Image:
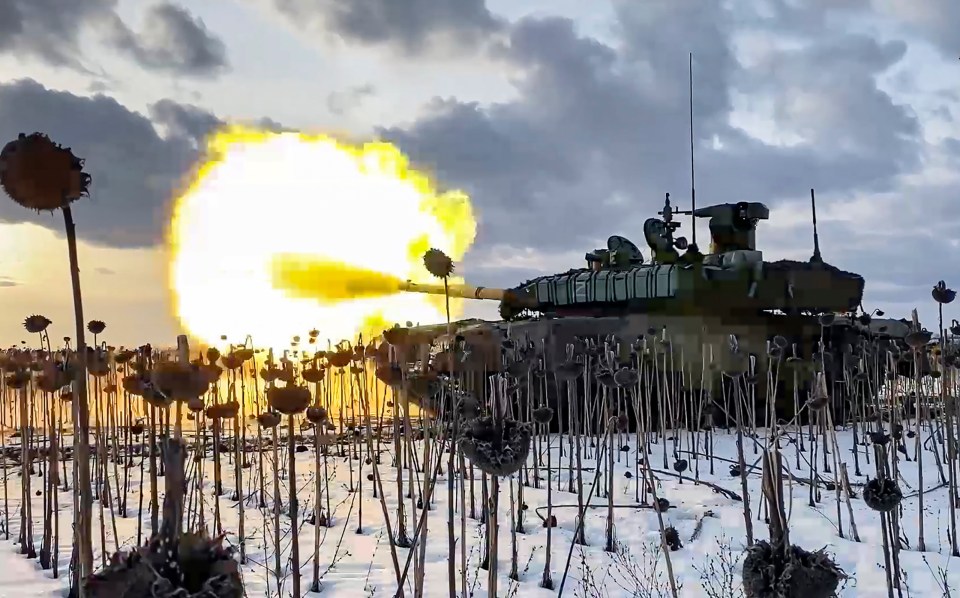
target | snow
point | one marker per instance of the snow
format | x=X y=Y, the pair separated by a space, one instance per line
x=355 y=554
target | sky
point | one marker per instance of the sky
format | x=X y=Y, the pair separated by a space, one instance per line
x=566 y=122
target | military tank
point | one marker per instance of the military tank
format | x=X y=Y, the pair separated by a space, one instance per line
x=705 y=319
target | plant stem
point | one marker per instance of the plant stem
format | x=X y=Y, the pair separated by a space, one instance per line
x=81 y=414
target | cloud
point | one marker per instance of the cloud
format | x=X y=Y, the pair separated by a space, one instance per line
x=184 y=120
x=598 y=134
x=50 y=29
x=6 y=282
x=129 y=206
x=194 y=123
x=104 y=271
x=933 y=20
x=135 y=171
x=411 y=26
x=172 y=41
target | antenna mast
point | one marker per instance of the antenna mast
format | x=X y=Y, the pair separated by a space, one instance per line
x=816 y=239
x=693 y=185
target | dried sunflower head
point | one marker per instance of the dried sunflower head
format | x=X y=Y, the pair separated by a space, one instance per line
x=289 y=400
x=213 y=354
x=317 y=414
x=340 y=358
x=98 y=363
x=917 y=339
x=313 y=375
x=438 y=263
x=231 y=361
x=497 y=448
x=395 y=336
x=180 y=381
x=942 y=294
x=133 y=385
x=882 y=494
x=36 y=324
x=124 y=356
x=40 y=174
x=226 y=410
x=270 y=373
x=390 y=374
x=18 y=379
x=543 y=415
x=96 y=326
x=268 y=419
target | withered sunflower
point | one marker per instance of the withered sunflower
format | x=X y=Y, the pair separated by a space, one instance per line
x=124 y=356
x=180 y=381
x=40 y=174
x=18 y=379
x=289 y=400
x=316 y=414
x=231 y=361
x=438 y=263
x=313 y=375
x=36 y=323
x=226 y=410
x=268 y=419
x=213 y=354
x=340 y=358
x=133 y=385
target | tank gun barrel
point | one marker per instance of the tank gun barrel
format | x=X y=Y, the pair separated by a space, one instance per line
x=466 y=291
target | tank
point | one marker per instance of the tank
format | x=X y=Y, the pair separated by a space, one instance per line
x=700 y=321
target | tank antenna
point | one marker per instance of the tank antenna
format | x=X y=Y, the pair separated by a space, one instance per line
x=816 y=238
x=693 y=186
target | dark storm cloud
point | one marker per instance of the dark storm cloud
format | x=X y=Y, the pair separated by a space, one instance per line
x=184 y=120
x=134 y=170
x=934 y=21
x=172 y=40
x=49 y=29
x=598 y=135
x=412 y=26
x=194 y=123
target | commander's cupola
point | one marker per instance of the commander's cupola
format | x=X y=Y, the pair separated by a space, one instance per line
x=733 y=227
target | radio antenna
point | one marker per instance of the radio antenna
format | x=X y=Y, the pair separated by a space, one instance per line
x=693 y=183
x=816 y=239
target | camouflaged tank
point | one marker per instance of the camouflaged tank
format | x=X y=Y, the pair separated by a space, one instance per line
x=698 y=317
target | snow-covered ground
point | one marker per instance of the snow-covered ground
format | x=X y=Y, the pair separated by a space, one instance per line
x=355 y=556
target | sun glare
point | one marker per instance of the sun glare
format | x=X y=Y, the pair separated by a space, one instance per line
x=263 y=194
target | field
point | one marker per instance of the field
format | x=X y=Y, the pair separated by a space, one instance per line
x=365 y=468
